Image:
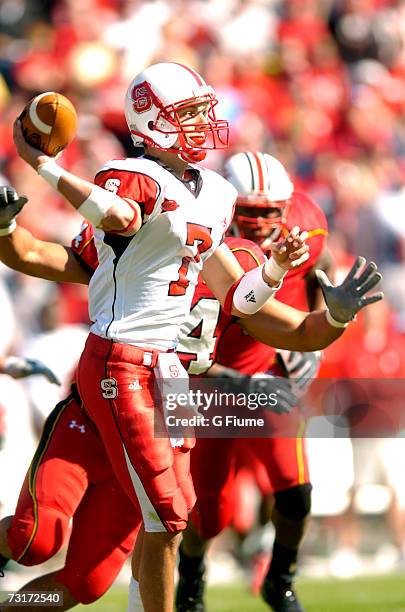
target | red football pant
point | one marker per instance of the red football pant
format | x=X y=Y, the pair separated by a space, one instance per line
x=71 y=476
x=119 y=393
x=213 y=472
x=278 y=464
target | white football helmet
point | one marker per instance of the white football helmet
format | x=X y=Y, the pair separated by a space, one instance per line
x=262 y=183
x=152 y=104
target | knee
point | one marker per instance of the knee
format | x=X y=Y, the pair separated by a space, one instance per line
x=32 y=544
x=83 y=589
x=294 y=503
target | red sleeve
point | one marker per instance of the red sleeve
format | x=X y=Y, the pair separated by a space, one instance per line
x=133 y=185
x=84 y=248
x=248 y=254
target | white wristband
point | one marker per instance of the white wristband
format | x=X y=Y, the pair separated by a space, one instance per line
x=95 y=207
x=274 y=270
x=333 y=321
x=252 y=292
x=51 y=172
x=5 y=231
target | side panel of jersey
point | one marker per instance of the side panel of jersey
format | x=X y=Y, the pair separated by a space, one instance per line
x=144 y=284
x=310 y=217
x=209 y=334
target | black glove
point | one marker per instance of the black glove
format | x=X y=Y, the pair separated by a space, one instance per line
x=283 y=397
x=345 y=300
x=10 y=205
x=300 y=368
x=232 y=381
x=21 y=367
x=279 y=389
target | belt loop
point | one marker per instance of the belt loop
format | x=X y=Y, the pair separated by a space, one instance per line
x=148 y=359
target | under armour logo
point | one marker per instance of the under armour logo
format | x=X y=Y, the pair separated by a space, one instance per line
x=135 y=386
x=75 y=425
x=78 y=239
x=250 y=297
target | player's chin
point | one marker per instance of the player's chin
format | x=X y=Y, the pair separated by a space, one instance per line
x=257 y=236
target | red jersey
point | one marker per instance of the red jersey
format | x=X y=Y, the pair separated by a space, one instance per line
x=311 y=218
x=84 y=248
x=252 y=356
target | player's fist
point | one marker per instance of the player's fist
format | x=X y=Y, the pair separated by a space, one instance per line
x=345 y=300
x=10 y=205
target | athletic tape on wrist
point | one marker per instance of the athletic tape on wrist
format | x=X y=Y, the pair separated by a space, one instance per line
x=274 y=270
x=51 y=172
x=333 y=321
x=5 y=231
x=252 y=292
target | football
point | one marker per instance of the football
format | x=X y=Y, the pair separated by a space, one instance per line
x=49 y=122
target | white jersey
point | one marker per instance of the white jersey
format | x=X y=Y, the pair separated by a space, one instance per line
x=142 y=289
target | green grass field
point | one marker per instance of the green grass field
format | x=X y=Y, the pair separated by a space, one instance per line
x=371 y=594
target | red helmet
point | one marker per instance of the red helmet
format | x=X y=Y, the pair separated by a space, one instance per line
x=265 y=188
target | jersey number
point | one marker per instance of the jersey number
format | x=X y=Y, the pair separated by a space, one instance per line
x=198 y=335
x=201 y=235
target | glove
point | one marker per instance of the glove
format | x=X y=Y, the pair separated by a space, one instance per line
x=300 y=368
x=282 y=387
x=20 y=367
x=345 y=300
x=233 y=381
x=10 y=205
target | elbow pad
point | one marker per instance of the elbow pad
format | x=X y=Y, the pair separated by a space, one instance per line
x=249 y=293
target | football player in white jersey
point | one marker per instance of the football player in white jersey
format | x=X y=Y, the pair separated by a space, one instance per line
x=275 y=324
x=159 y=223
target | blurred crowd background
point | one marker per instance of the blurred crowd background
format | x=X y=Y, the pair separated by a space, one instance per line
x=320 y=84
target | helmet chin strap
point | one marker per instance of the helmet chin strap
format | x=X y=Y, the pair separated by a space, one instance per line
x=193 y=155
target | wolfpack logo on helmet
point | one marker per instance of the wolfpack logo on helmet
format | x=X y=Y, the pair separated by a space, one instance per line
x=152 y=105
x=142 y=99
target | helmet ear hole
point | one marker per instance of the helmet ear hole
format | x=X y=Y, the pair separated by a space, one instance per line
x=151 y=125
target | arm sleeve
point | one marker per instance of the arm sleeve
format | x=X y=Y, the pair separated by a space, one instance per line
x=84 y=248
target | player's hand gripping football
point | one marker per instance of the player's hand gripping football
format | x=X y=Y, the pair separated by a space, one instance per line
x=10 y=205
x=34 y=157
x=21 y=367
x=292 y=251
x=345 y=300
